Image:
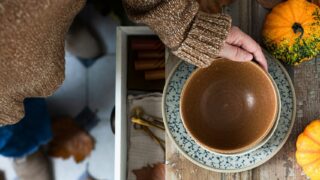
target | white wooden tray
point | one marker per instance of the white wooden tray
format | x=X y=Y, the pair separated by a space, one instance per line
x=121 y=97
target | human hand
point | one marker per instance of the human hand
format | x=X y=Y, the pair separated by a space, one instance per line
x=241 y=47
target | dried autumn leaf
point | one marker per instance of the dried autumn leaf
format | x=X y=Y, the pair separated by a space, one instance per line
x=155 y=172
x=70 y=140
x=269 y=4
x=2 y=175
x=209 y=6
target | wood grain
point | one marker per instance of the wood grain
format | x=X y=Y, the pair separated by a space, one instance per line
x=269 y=3
x=249 y=16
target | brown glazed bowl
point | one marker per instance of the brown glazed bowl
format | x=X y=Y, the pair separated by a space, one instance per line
x=229 y=107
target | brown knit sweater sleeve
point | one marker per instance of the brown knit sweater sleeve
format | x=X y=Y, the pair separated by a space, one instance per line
x=32 y=62
x=192 y=35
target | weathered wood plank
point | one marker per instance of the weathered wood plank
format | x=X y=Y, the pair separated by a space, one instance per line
x=180 y=168
x=249 y=16
x=247 y=175
x=307 y=86
x=306 y=82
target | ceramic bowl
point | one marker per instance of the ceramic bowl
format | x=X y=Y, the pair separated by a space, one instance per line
x=267 y=137
x=229 y=107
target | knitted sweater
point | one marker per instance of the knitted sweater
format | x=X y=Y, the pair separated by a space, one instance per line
x=192 y=35
x=32 y=36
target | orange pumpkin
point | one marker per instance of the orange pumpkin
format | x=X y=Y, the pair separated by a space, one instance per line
x=291 y=31
x=308 y=150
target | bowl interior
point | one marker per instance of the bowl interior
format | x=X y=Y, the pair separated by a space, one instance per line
x=230 y=106
x=267 y=137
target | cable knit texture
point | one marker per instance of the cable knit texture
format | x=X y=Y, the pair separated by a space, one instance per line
x=31 y=51
x=194 y=36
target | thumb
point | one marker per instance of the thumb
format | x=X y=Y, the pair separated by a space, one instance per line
x=235 y=53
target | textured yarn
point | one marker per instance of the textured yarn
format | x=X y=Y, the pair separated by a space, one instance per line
x=32 y=34
x=192 y=35
x=32 y=62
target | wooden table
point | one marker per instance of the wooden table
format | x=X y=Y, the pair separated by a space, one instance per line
x=249 y=16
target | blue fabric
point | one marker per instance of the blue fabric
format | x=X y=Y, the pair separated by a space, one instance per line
x=30 y=133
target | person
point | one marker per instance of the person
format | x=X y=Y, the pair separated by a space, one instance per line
x=32 y=35
x=32 y=42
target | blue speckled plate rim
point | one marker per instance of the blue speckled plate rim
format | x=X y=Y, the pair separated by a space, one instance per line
x=164 y=115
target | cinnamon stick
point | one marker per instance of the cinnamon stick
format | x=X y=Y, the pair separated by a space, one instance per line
x=158 y=74
x=148 y=64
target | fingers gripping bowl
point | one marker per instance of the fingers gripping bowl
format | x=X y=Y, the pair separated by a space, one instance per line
x=229 y=107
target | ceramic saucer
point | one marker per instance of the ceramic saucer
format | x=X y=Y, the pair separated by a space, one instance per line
x=218 y=162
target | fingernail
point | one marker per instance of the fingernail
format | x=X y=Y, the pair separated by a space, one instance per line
x=248 y=57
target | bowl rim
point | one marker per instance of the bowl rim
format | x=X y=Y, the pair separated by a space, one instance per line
x=258 y=141
x=207 y=167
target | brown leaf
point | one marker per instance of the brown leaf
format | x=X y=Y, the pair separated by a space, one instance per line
x=269 y=4
x=155 y=172
x=70 y=140
x=2 y=175
x=209 y=6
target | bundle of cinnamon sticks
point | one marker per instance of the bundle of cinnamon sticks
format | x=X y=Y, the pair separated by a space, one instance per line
x=150 y=58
